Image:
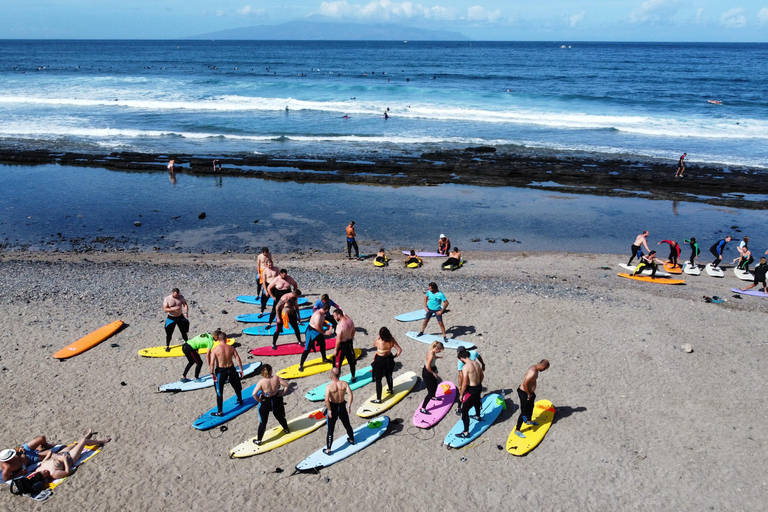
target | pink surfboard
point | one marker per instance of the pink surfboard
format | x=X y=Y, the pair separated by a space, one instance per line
x=438 y=408
x=288 y=349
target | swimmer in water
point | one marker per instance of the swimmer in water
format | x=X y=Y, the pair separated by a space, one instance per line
x=346 y=116
x=386 y=116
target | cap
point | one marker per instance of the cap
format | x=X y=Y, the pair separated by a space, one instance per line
x=442 y=235
x=7 y=455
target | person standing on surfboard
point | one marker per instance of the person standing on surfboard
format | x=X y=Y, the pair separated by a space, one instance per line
x=527 y=395
x=338 y=409
x=220 y=361
x=261 y=264
x=175 y=305
x=674 y=251
x=695 y=251
x=270 y=397
x=435 y=304
x=345 y=337
x=470 y=389
x=443 y=245
x=429 y=374
x=760 y=272
x=269 y=274
x=475 y=356
x=717 y=251
x=639 y=241
x=314 y=335
x=351 y=241
x=279 y=286
x=287 y=311
x=384 y=361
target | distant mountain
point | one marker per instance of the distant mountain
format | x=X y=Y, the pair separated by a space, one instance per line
x=332 y=31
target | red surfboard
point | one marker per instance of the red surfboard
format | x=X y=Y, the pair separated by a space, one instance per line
x=288 y=349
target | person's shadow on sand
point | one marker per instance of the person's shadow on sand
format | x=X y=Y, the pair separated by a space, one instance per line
x=362 y=330
x=563 y=411
x=458 y=331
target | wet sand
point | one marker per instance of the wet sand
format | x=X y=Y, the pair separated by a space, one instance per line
x=640 y=423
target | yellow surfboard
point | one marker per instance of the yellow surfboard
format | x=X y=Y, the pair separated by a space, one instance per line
x=89 y=452
x=402 y=385
x=175 y=350
x=543 y=414
x=275 y=437
x=312 y=367
x=649 y=279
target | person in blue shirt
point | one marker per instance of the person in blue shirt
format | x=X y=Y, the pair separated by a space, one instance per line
x=717 y=251
x=435 y=305
x=326 y=302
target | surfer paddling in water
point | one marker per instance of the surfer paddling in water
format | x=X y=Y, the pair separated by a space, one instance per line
x=175 y=305
x=268 y=393
x=345 y=337
x=639 y=241
x=470 y=388
x=527 y=395
x=220 y=361
x=338 y=409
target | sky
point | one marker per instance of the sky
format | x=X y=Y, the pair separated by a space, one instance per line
x=497 y=20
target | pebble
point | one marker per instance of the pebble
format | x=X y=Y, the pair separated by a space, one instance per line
x=224 y=312
x=137 y=224
x=687 y=348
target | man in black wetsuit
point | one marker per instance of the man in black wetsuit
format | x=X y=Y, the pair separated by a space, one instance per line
x=527 y=395
x=223 y=369
x=338 y=408
x=760 y=272
x=470 y=389
x=717 y=251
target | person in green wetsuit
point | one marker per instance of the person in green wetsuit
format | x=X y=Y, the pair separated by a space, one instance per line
x=694 y=249
x=191 y=348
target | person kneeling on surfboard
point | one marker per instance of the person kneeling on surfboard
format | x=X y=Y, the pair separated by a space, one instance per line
x=314 y=335
x=435 y=304
x=429 y=374
x=526 y=394
x=470 y=388
x=287 y=312
x=454 y=261
x=190 y=349
x=338 y=409
x=649 y=260
x=413 y=261
x=345 y=337
x=220 y=361
x=384 y=361
x=760 y=272
x=270 y=397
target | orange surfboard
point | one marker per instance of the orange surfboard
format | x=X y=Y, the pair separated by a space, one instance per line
x=89 y=341
x=673 y=269
x=649 y=279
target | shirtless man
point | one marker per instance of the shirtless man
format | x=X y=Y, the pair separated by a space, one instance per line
x=384 y=361
x=14 y=462
x=61 y=464
x=681 y=165
x=345 y=337
x=475 y=356
x=314 y=336
x=269 y=274
x=443 y=245
x=223 y=369
x=261 y=264
x=287 y=305
x=454 y=259
x=269 y=394
x=326 y=301
x=338 y=409
x=470 y=388
x=640 y=240
x=351 y=241
x=412 y=259
x=175 y=305
x=278 y=287
x=526 y=394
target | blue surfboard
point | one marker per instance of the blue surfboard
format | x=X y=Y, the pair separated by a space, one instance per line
x=493 y=404
x=363 y=376
x=261 y=330
x=256 y=318
x=229 y=407
x=256 y=299
x=419 y=314
x=365 y=435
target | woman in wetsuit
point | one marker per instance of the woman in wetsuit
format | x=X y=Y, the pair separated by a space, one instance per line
x=429 y=373
x=269 y=394
x=384 y=361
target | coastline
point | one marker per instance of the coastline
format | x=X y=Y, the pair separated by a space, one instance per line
x=640 y=423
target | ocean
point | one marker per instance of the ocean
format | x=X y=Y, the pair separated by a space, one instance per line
x=645 y=101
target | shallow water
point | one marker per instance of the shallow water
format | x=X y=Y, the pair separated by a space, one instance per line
x=56 y=207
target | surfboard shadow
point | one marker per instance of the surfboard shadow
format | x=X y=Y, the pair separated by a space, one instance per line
x=563 y=411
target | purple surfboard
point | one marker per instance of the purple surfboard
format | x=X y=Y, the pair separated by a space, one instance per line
x=750 y=292
x=438 y=407
x=426 y=254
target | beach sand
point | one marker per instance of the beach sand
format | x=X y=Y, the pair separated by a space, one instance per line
x=640 y=423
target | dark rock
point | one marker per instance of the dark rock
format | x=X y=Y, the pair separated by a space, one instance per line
x=224 y=312
x=481 y=149
x=475 y=239
x=256 y=221
x=491 y=241
x=734 y=227
x=137 y=224
x=201 y=216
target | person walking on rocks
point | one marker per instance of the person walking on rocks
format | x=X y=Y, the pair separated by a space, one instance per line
x=641 y=240
x=681 y=165
x=351 y=241
x=527 y=395
x=175 y=305
x=435 y=304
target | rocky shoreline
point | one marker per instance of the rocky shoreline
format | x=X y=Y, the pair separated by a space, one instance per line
x=482 y=166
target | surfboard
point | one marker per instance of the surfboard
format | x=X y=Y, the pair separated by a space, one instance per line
x=256 y=318
x=492 y=406
x=256 y=299
x=645 y=272
x=365 y=435
x=205 y=381
x=714 y=272
x=413 y=316
x=691 y=270
x=438 y=407
x=543 y=414
x=230 y=409
x=648 y=279
x=401 y=385
x=363 y=377
x=429 y=338
x=753 y=292
x=743 y=274
x=312 y=367
x=427 y=254
x=275 y=437
x=672 y=269
x=288 y=349
x=449 y=267
x=176 y=350
x=261 y=330
x=89 y=341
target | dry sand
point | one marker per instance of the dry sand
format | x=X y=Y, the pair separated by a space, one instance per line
x=640 y=424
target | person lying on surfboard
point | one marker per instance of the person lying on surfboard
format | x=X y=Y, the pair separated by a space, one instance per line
x=454 y=260
x=413 y=261
x=470 y=389
x=381 y=258
x=649 y=260
x=527 y=395
x=338 y=408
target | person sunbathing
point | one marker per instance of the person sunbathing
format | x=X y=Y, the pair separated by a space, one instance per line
x=63 y=463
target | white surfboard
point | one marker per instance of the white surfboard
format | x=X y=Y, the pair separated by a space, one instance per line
x=691 y=270
x=714 y=272
x=646 y=272
x=429 y=338
x=743 y=274
x=206 y=381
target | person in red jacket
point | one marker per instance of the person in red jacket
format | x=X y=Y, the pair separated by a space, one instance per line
x=674 y=251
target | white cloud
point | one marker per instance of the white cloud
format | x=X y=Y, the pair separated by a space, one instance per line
x=654 y=11
x=249 y=11
x=734 y=18
x=575 y=19
x=699 y=18
x=478 y=13
x=388 y=10
x=762 y=16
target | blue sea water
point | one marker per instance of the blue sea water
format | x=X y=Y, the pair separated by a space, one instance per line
x=634 y=100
